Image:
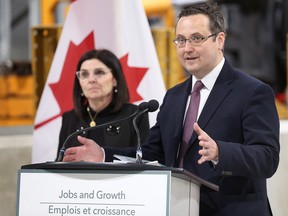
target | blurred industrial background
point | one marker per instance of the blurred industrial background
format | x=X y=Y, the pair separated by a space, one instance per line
x=30 y=30
x=257 y=43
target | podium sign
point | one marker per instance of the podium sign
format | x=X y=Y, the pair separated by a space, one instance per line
x=66 y=192
x=82 y=188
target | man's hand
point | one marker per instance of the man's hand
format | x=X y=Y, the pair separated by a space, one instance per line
x=209 y=149
x=90 y=151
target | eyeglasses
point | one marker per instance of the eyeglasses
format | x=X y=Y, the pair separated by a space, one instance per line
x=195 y=40
x=97 y=73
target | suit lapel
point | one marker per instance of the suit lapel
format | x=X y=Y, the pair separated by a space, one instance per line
x=180 y=102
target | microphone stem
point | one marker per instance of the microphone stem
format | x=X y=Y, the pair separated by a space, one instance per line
x=61 y=155
x=139 y=155
x=139 y=149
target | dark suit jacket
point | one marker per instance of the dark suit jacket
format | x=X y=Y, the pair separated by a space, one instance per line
x=120 y=134
x=240 y=115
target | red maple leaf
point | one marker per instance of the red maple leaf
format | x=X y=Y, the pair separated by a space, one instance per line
x=63 y=89
x=133 y=76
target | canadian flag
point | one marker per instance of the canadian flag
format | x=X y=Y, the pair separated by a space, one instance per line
x=120 y=26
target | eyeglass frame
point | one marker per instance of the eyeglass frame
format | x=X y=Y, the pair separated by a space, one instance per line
x=203 y=39
x=104 y=70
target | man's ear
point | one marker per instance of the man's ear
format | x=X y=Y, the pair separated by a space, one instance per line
x=221 y=40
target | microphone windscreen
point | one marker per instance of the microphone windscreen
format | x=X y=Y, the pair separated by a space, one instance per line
x=153 y=105
x=143 y=106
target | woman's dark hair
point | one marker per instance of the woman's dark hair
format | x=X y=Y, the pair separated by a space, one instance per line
x=209 y=9
x=111 y=61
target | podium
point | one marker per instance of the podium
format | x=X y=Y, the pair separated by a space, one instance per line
x=82 y=188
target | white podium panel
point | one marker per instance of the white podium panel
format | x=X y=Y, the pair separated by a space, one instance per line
x=69 y=189
x=77 y=193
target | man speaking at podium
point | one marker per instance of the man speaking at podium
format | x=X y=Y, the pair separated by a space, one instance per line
x=235 y=142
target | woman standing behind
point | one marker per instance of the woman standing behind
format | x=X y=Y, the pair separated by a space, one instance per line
x=101 y=95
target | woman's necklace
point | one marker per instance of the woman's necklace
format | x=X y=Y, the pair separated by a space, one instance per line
x=92 y=123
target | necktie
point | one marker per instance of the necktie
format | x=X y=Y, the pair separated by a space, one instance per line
x=191 y=117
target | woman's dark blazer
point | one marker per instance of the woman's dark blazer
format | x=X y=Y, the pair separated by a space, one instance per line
x=120 y=134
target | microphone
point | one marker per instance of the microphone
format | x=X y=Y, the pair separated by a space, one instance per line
x=141 y=107
x=152 y=106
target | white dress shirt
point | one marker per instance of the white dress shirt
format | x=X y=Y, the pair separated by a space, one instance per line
x=208 y=82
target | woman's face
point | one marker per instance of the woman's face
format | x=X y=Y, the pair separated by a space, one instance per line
x=96 y=80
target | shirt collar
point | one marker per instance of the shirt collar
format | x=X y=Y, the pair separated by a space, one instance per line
x=210 y=79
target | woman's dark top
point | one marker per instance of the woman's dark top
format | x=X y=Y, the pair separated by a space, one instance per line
x=120 y=134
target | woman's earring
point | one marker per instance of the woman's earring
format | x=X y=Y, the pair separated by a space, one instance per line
x=115 y=90
x=82 y=94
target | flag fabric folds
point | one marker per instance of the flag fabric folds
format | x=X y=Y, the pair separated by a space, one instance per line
x=120 y=26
